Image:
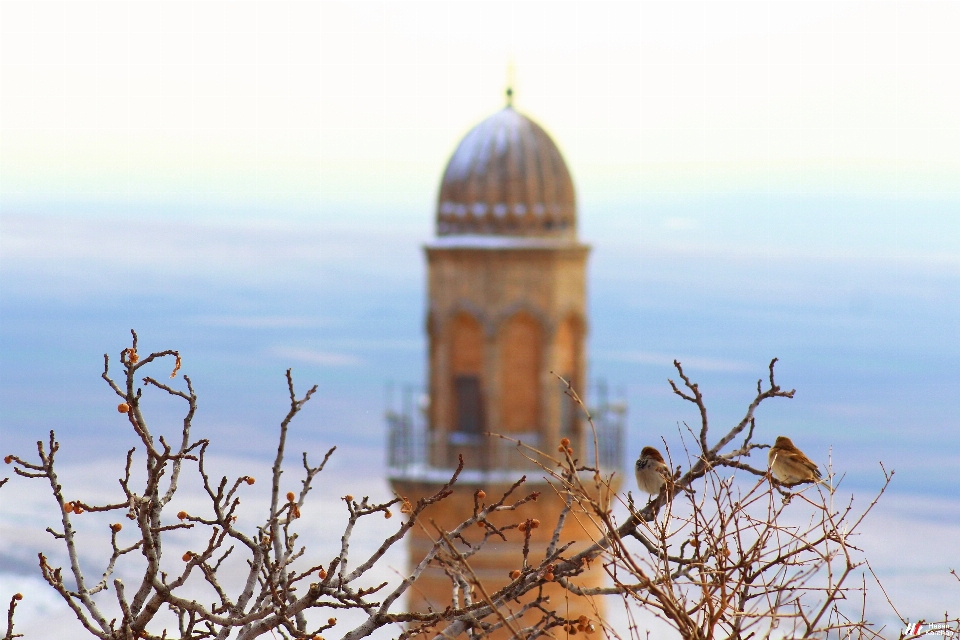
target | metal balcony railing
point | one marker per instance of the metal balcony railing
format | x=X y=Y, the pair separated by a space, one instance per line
x=415 y=452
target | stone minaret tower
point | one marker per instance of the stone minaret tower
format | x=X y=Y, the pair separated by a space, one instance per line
x=506 y=315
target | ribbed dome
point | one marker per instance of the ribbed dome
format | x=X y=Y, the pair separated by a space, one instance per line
x=507 y=178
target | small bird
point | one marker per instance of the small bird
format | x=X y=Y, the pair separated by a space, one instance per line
x=652 y=472
x=789 y=465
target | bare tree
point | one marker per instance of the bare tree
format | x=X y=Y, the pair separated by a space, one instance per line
x=720 y=555
x=277 y=594
x=723 y=552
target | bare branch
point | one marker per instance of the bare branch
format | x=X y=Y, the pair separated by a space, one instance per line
x=724 y=551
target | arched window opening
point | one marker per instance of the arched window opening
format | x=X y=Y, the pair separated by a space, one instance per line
x=466 y=365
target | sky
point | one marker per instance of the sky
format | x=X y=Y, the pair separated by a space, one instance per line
x=252 y=183
x=284 y=103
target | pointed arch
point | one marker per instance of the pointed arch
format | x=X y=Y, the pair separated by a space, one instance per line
x=523 y=307
x=520 y=346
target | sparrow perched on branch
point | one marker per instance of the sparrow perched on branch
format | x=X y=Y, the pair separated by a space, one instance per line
x=652 y=472
x=789 y=465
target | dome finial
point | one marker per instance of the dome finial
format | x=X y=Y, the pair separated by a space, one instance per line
x=510 y=82
x=509 y=96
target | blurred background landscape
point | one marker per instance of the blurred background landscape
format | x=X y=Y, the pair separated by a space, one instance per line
x=252 y=183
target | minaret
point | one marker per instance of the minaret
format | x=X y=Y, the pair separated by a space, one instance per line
x=506 y=316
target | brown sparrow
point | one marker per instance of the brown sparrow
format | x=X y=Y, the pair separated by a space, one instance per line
x=789 y=465
x=652 y=472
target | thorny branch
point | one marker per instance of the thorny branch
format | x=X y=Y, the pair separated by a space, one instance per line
x=736 y=558
x=275 y=595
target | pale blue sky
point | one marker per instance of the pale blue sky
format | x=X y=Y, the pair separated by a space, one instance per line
x=205 y=156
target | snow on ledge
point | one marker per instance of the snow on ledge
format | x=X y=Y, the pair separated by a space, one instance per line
x=477 y=241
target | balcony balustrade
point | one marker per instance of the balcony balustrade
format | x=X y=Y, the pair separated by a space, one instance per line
x=416 y=452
